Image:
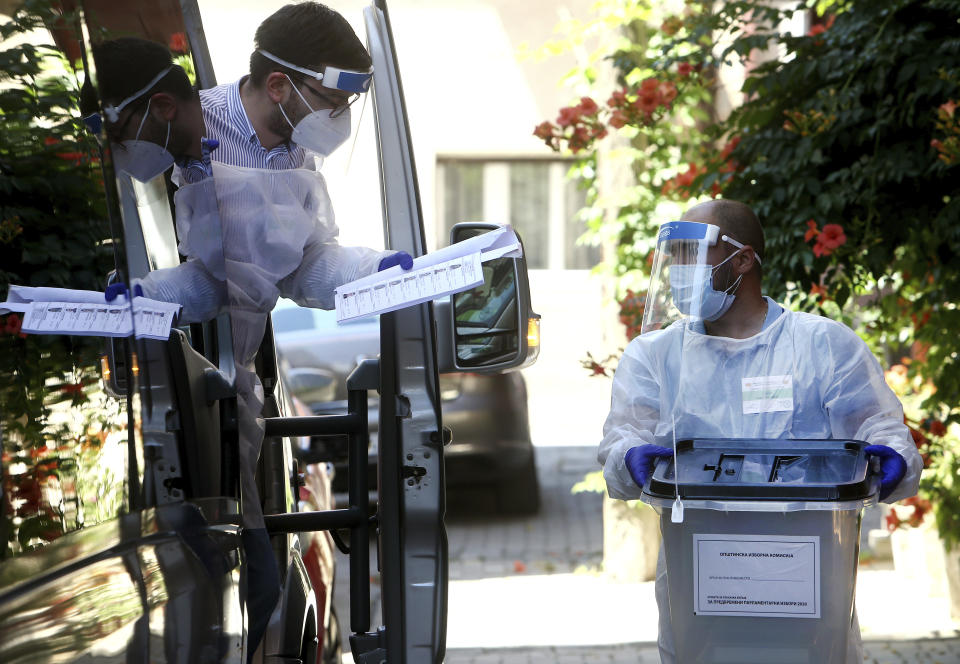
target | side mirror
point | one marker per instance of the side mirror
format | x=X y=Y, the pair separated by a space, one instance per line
x=490 y=328
x=312 y=385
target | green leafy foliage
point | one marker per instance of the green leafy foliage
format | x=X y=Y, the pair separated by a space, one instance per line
x=656 y=105
x=53 y=232
x=847 y=147
x=844 y=133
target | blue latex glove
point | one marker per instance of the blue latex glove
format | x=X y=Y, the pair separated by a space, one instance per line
x=640 y=461
x=401 y=258
x=892 y=467
x=120 y=288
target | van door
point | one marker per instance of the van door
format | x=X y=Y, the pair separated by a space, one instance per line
x=413 y=540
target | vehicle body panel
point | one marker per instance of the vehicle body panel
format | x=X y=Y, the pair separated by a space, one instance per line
x=127 y=588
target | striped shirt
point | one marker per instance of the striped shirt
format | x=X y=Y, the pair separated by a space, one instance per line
x=227 y=121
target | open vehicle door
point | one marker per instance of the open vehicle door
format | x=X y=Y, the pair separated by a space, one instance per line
x=412 y=537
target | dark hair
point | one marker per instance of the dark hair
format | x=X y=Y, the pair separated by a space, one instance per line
x=308 y=35
x=127 y=64
x=737 y=220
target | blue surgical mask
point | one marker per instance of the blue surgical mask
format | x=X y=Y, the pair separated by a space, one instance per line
x=694 y=294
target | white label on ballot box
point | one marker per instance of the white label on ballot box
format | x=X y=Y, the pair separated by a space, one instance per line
x=756 y=575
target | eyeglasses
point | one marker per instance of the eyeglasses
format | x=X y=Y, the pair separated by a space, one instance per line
x=337 y=105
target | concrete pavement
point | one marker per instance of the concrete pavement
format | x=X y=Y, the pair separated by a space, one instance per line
x=530 y=590
x=924 y=651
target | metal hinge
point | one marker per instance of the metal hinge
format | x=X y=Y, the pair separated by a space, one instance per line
x=413 y=474
x=444 y=436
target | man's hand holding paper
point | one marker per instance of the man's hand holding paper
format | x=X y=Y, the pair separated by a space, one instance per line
x=453 y=269
x=88 y=313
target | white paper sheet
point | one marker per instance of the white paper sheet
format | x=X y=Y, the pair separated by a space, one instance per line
x=452 y=269
x=756 y=575
x=85 y=313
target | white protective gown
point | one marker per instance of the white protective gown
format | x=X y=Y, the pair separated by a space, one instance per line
x=252 y=235
x=278 y=237
x=685 y=376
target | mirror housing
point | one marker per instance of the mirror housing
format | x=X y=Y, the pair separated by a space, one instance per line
x=491 y=328
x=311 y=385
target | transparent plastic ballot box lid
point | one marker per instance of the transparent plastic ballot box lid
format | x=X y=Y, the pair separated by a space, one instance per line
x=775 y=470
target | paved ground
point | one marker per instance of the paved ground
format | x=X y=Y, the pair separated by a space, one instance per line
x=932 y=651
x=530 y=590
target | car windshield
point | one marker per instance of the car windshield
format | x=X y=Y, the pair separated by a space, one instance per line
x=288 y=317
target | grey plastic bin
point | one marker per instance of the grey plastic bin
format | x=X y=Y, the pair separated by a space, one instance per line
x=763 y=567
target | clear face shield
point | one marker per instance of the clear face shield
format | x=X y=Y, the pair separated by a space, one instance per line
x=682 y=277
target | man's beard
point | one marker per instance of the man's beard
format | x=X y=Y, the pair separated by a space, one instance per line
x=278 y=124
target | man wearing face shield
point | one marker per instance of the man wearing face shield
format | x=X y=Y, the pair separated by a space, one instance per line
x=706 y=328
x=307 y=69
x=253 y=219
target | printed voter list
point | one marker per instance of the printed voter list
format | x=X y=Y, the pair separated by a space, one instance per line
x=446 y=271
x=85 y=313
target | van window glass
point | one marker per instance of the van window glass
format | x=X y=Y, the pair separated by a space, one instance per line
x=63 y=438
x=64 y=449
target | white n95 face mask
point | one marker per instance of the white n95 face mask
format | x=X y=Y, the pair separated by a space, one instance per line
x=317 y=131
x=143 y=160
x=694 y=294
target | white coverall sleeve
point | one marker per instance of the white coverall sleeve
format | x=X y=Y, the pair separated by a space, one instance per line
x=861 y=406
x=325 y=266
x=632 y=420
x=190 y=285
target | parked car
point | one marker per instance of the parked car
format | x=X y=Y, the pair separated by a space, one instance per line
x=487 y=413
x=315 y=493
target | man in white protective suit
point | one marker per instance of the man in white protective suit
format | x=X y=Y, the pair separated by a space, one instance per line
x=685 y=379
x=253 y=216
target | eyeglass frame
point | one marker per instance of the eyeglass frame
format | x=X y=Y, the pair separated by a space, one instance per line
x=336 y=110
x=114 y=132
